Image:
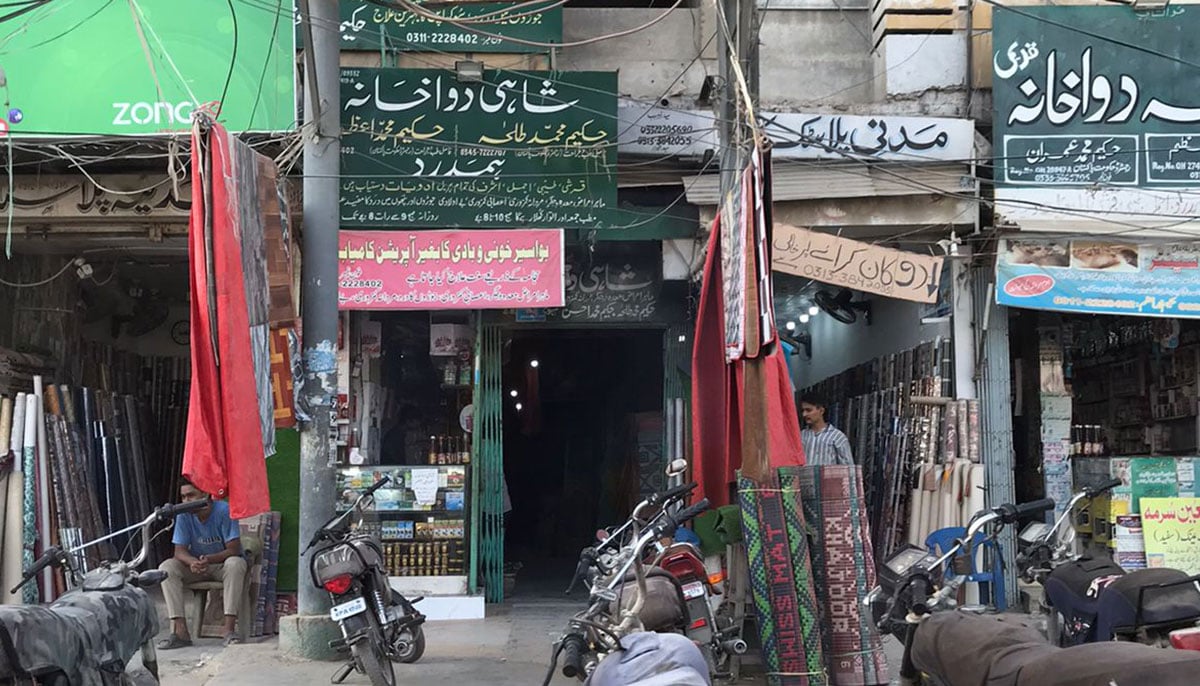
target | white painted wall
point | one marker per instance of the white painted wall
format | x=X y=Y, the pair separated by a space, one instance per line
x=896 y=326
x=917 y=63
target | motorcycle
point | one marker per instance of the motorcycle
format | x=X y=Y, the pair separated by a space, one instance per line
x=708 y=623
x=379 y=625
x=1090 y=599
x=914 y=584
x=608 y=640
x=87 y=636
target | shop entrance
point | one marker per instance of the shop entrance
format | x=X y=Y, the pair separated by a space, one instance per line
x=577 y=405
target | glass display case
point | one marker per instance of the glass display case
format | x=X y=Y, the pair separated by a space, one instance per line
x=421 y=516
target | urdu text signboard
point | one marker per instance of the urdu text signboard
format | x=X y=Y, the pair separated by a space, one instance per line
x=369 y=26
x=422 y=149
x=79 y=68
x=1171 y=528
x=449 y=270
x=1100 y=277
x=1073 y=109
x=853 y=264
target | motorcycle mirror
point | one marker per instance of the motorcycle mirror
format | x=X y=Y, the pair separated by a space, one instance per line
x=677 y=467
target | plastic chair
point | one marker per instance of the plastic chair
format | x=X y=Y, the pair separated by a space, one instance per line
x=991 y=583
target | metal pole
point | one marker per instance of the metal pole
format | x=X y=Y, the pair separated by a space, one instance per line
x=318 y=285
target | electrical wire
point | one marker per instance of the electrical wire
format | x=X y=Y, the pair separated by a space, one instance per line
x=263 y=74
x=417 y=9
x=233 y=58
x=43 y=282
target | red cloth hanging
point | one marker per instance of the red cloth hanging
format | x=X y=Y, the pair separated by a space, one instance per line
x=223 y=449
x=718 y=391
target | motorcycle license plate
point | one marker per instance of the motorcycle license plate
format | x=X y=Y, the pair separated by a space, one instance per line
x=340 y=612
x=693 y=590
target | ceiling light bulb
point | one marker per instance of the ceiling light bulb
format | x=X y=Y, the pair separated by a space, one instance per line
x=813 y=310
x=791 y=326
x=533 y=363
x=513 y=392
x=519 y=406
x=804 y=319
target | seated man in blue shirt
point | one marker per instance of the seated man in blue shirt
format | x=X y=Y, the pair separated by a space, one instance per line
x=208 y=547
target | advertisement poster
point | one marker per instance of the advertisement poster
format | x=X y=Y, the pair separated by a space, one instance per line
x=1131 y=547
x=1171 y=527
x=1153 y=477
x=1100 y=277
x=448 y=270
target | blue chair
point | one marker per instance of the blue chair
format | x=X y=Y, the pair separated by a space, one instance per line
x=991 y=583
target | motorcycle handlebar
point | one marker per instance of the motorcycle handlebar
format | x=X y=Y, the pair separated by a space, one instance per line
x=671 y=494
x=573 y=649
x=920 y=595
x=1102 y=488
x=378 y=485
x=169 y=511
x=1011 y=513
x=671 y=522
x=51 y=556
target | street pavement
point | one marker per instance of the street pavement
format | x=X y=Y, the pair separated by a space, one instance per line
x=509 y=648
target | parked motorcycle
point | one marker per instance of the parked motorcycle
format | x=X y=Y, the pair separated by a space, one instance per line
x=706 y=621
x=632 y=600
x=379 y=625
x=87 y=636
x=913 y=585
x=1091 y=599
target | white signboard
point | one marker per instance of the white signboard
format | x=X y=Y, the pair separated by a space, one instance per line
x=838 y=136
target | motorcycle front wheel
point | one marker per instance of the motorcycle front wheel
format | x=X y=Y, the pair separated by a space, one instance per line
x=370 y=654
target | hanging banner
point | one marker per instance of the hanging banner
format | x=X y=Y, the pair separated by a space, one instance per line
x=1100 y=277
x=450 y=270
x=422 y=149
x=369 y=26
x=1171 y=527
x=853 y=264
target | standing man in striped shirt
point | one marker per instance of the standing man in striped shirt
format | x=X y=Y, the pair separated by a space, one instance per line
x=823 y=444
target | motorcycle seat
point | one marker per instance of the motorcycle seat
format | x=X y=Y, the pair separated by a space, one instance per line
x=1118 y=611
x=81 y=633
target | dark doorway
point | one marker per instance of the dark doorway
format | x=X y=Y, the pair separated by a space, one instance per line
x=577 y=402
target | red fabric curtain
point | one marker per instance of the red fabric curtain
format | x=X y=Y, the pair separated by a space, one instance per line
x=717 y=396
x=223 y=450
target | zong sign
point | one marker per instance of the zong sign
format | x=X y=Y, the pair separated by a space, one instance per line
x=422 y=149
x=1074 y=109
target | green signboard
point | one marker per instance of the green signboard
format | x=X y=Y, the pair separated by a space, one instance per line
x=81 y=67
x=422 y=149
x=368 y=26
x=1073 y=109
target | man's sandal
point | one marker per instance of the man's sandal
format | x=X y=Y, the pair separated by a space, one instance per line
x=232 y=639
x=172 y=642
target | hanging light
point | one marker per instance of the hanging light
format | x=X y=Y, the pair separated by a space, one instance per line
x=791 y=326
x=804 y=319
x=813 y=310
x=682 y=338
x=519 y=407
x=513 y=392
x=533 y=363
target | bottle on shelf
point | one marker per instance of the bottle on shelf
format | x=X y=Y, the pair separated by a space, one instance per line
x=464 y=450
x=464 y=374
x=433 y=450
x=449 y=374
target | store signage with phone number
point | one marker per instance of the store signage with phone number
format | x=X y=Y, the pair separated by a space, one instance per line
x=1100 y=277
x=448 y=270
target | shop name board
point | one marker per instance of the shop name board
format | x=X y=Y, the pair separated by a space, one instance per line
x=614 y=290
x=842 y=136
x=448 y=270
x=123 y=197
x=90 y=83
x=1100 y=277
x=648 y=129
x=1171 y=529
x=369 y=26
x=1074 y=109
x=853 y=264
x=422 y=149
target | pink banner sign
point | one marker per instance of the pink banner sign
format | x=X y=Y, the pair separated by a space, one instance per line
x=450 y=270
